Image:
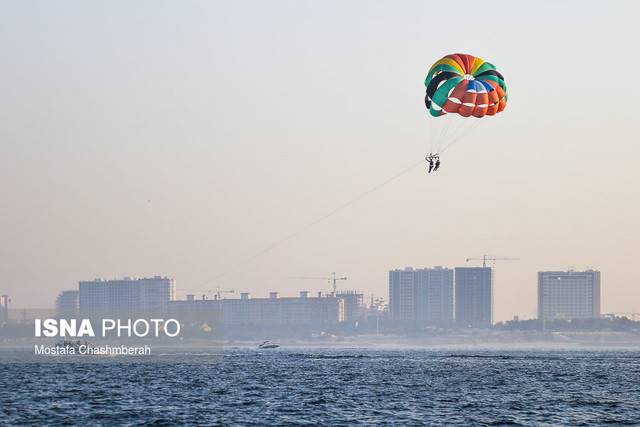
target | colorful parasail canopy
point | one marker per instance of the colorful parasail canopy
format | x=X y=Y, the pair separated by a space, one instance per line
x=466 y=85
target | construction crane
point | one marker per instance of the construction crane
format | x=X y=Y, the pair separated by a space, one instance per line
x=220 y=291
x=331 y=279
x=493 y=258
x=217 y=294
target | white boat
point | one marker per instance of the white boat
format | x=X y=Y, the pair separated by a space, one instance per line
x=268 y=344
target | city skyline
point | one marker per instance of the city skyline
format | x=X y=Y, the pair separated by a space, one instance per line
x=429 y=298
x=186 y=290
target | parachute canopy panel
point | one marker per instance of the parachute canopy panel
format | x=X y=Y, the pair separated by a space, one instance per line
x=466 y=85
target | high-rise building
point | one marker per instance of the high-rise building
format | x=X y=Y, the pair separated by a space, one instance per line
x=434 y=295
x=126 y=295
x=474 y=297
x=421 y=296
x=568 y=294
x=402 y=302
x=67 y=304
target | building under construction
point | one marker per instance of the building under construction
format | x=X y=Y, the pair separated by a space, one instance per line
x=354 y=309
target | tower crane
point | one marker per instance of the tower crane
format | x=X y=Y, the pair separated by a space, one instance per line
x=331 y=279
x=493 y=258
x=220 y=291
x=217 y=293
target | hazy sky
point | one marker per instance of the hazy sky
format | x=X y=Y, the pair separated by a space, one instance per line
x=181 y=138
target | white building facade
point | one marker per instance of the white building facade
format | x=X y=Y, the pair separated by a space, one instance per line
x=126 y=295
x=421 y=296
x=568 y=294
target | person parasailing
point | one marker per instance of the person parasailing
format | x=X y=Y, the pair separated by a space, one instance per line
x=429 y=158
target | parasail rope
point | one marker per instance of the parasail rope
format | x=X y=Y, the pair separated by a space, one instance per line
x=315 y=222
